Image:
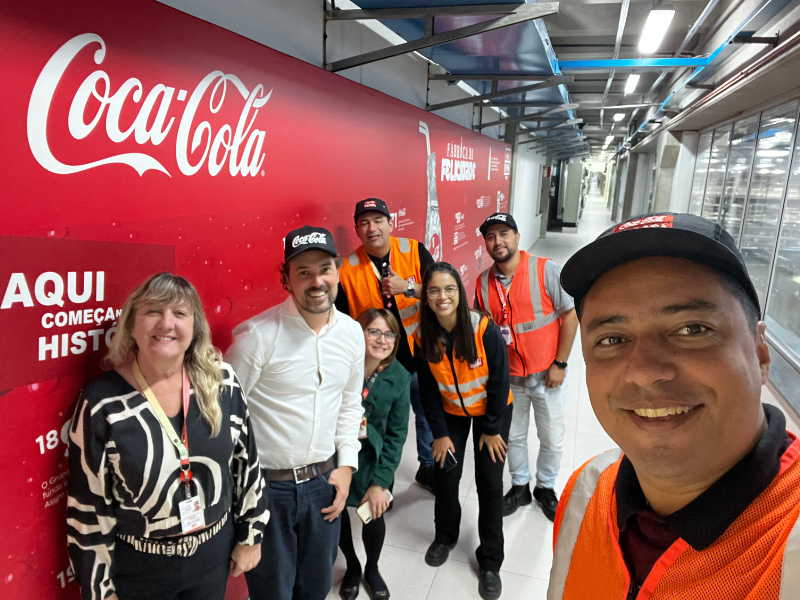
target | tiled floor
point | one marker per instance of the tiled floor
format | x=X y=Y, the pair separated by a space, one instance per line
x=528 y=534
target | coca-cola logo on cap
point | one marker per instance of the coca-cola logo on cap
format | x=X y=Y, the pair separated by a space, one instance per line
x=238 y=145
x=311 y=238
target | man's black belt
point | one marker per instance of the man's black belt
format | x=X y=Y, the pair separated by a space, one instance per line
x=300 y=474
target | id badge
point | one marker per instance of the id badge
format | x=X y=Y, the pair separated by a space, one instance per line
x=362 y=430
x=505 y=331
x=192 y=517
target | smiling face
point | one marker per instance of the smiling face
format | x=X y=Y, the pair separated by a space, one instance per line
x=673 y=368
x=313 y=280
x=501 y=242
x=442 y=292
x=163 y=331
x=374 y=230
x=379 y=348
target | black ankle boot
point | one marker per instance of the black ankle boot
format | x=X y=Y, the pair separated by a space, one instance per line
x=518 y=495
x=349 y=589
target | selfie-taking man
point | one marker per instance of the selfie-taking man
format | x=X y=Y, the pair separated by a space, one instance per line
x=538 y=322
x=301 y=365
x=702 y=499
x=386 y=272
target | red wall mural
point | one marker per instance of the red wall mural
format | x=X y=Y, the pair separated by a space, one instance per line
x=138 y=139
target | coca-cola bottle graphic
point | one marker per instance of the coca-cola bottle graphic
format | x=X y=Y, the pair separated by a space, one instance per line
x=433 y=224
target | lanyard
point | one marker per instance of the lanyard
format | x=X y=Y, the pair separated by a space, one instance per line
x=387 y=297
x=502 y=293
x=181 y=443
x=368 y=384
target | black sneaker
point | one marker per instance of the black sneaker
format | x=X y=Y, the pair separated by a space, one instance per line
x=518 y=495
x=489 y=585
x=547 y=499
x=437 y=553
x=424 y=477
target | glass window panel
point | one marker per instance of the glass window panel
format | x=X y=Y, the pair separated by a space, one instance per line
x=783 y=307
x=716 y=172
x=700 y=173
x=770 y=173
x=737 y=177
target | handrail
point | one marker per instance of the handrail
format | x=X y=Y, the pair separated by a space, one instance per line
x=783 y=350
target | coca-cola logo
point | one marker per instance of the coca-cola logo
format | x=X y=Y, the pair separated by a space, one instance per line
x=369 y=204
x=311 y=238
x=239 y=146
x=647 y=222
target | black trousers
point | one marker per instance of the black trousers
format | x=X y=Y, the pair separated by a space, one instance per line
x=202 y=576
x=489 y=483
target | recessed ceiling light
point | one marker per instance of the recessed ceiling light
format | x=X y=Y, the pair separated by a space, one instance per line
x=633 y=81
x=619 y=116
x=654 y=30
x=609 y=139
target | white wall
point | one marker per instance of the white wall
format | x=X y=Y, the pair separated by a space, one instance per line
x=525 y=191
x=640 y=185
x=294 y=27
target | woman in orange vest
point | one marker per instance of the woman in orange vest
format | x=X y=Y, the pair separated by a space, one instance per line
x=462 y=363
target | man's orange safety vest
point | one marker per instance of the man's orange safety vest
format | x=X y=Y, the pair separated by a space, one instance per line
x=362 y=285
x=757 y=558
x=463 y=385
x=528 y=311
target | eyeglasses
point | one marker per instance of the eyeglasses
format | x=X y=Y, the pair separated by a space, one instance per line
x=375 y=334
x=450 y=291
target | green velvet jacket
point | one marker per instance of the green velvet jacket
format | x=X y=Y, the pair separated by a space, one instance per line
x=380 y=453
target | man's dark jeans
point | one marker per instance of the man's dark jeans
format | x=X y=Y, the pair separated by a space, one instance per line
x=299 y=546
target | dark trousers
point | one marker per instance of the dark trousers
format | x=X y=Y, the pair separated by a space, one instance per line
x=202 y=576
x=299 y=545
x=424 y=434
x=489 y=483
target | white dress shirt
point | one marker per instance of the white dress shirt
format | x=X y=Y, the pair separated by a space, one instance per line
x=303 y=388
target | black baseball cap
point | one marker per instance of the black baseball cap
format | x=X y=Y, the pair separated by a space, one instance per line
x=371 y=205
x=306 y=238
x=499 y=218
x=677 y=235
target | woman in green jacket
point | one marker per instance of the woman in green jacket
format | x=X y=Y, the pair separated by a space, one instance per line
x=383 y=432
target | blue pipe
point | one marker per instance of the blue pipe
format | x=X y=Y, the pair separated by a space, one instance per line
x=633 y=63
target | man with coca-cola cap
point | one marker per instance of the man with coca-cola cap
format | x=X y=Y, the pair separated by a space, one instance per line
x=301 y=364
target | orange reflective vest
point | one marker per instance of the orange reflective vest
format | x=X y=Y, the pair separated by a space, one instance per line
x=757 y=558
x=534 y=324
x=463 y=385
x=363 y=288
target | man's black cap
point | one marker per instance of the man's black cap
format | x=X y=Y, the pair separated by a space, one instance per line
x=306 y=238
x=498 y=219
x=676 y=235
x=371 y=205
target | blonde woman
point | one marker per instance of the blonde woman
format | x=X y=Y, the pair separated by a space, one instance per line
x=166 y=496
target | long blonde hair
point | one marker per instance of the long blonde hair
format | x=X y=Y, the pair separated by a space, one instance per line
x=201 y=360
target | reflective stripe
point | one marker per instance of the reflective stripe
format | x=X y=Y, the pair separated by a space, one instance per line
x=409 y=312
x=411 y=328
x=464 y=387
x=536 y=292
x=790 y=575
x=353 y=259
x=484 y=298
x=578 y=502
x=468 y=401
x=405 y=245
x=475 y=318
x=537 y=324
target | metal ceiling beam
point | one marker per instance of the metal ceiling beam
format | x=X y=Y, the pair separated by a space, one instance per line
x=552 y=131
x=421 y=12
x=490 y=76
x=520 y=14
x=533 y=117
x=623 y=18
x=553 y=81
x=523 y=104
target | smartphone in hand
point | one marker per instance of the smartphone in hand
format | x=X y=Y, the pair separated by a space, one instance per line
x=364 y=511
x=450 y=461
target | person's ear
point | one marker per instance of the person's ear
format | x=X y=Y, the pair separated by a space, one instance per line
x=762 y=351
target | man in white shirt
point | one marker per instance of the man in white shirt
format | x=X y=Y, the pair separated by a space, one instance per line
x=301 y=365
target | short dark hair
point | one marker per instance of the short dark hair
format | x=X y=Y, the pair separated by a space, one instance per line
x=752 y=313
x=369 y=315
x=430 y=331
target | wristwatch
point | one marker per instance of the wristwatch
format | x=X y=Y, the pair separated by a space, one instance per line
x=409 y=293
x=560 y=365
